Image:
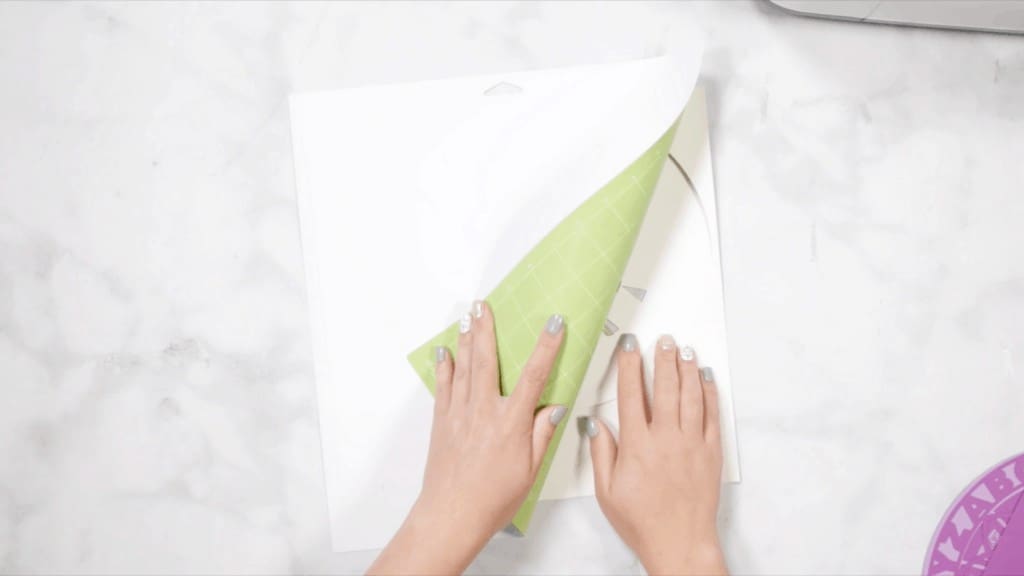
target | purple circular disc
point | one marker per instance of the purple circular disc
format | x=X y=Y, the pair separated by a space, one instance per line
x=969 y=536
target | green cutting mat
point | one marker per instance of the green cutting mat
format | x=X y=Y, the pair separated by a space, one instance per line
x=574 y=271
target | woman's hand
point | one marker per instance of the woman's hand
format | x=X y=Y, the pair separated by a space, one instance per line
x=659 y=486
x=485 y=450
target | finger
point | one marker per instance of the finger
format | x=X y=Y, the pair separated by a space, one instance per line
x=545 y=422
x=538 y=367
x=443 y=379
x=712 y=425
x=691 y=408
x=665 y=411
x=603 y=452
x=632 y=400
x=485 y=353
x=463 y=361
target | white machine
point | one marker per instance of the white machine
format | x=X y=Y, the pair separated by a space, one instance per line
x=990 y=15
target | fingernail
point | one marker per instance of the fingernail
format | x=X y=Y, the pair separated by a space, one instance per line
x=440 y=354
x=627 y=342
x=465 y=323
x=592 y=428
x=707 y=374
x=554 y=325
x=556 y=415
x=478 y=308
x=687 y=353
x=666 y=343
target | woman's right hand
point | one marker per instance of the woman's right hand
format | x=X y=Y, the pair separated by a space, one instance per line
x=659 y=485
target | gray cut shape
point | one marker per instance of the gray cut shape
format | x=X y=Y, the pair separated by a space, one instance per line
x=609 y=327
x=512 y=531
x=503 y=89
x=638 y=293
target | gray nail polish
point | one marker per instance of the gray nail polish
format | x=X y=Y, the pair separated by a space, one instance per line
x=556 y=415
x=478 y=309
x=687 y=353
x=465 y=323
x=628 y=342
x=440 y=354
x=666 y=343
x=592 y=429
x=707 y=374
x=554 y=325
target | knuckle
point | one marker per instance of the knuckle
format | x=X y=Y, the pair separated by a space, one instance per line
x=483 y=362
x=535 y=374
x=692 y=410
x=629 y=372
x=666 y=381
x=535 y=377
x=692 y=440
x=443 y=370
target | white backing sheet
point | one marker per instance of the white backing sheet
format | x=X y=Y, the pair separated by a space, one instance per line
x=414 y=199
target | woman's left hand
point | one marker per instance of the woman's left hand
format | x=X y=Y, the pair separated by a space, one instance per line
x=485 y=450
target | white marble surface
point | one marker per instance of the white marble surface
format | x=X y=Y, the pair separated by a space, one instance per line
x=157 y=409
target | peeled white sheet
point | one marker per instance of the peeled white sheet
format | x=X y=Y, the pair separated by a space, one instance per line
x=413 y=200
x=676 y=263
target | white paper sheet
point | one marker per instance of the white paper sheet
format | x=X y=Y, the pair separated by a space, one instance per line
x=415 y=199
x=677 y=265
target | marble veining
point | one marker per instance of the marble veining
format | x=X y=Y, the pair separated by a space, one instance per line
x=157 y=407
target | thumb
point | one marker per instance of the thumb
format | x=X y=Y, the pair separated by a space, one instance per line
x=603 y=451
x=545 y=422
